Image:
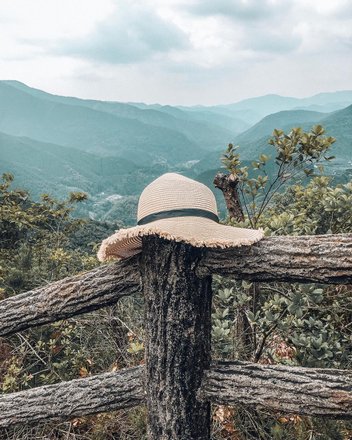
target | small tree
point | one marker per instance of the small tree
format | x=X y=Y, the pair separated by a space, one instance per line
x=296 y=153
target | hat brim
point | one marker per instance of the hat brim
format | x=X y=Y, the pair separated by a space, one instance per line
x=197 y=231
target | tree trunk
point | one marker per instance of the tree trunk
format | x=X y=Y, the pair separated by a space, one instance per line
x=178 y=330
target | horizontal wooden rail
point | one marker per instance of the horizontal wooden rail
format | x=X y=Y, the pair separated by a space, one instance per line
x=100 y=287
x=283 y=389
x=288 y=390
x=321 y=259
x=80 y=397
x=304 y=259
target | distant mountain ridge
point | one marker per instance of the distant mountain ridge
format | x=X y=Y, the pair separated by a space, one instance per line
x=337 y=124
x=247 y=111
x=252 y=110
x=23 y=114
x=190 y=128
x=111 y=150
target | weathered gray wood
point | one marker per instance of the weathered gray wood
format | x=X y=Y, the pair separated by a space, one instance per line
x=305 y=259
x=71 y=296
x=178 y=329
x=296 y=390
x=91 y=395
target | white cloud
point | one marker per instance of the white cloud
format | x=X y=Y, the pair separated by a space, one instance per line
x=240 y=10
x=133 y=32
x=177 y=51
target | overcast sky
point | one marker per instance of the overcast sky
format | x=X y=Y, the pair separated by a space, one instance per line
x=177 y=51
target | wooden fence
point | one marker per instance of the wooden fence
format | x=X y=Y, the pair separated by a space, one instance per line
x=178 y=381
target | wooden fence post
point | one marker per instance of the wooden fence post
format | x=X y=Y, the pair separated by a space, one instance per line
x=177 y=340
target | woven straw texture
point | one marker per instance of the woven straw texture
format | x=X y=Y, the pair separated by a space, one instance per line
x=173 y=191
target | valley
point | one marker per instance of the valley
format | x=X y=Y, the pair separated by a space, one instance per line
x=111 y=150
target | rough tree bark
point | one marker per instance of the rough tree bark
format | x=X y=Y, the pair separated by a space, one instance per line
x=178 y=330
x=304 y=259
x=71 y=296
x=228 y=183
x=295 y=390
x=80 y=397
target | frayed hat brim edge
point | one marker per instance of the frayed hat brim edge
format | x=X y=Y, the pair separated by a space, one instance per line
x=123 y=236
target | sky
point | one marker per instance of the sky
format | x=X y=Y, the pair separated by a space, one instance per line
x=177 y=52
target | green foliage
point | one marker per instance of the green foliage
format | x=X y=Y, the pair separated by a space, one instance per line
x=222 y=338
x=40 y=243
x=34 y=239
x=296 y=153
x=295 y=324
x=316 y=208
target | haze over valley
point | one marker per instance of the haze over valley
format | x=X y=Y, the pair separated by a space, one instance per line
x=111 y=150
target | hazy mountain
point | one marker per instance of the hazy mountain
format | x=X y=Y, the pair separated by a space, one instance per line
x=257 y=108
x=252 y=110
x=23 y=114
x=255 y=140
x=203 y=131
x=198 y=113
x=342 y=97
x=337 y=124
x=112 y=150
x=208 y=128
x=283 y=120
x=49 y=168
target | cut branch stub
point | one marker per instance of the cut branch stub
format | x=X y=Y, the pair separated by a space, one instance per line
x=178 y=330
x=228 y=184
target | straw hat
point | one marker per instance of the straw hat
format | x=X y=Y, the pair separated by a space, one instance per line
x=176 y=208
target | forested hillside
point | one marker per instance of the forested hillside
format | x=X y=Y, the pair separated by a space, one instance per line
x=111 y=150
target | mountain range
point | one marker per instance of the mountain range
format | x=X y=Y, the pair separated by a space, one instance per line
x=111 y=150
